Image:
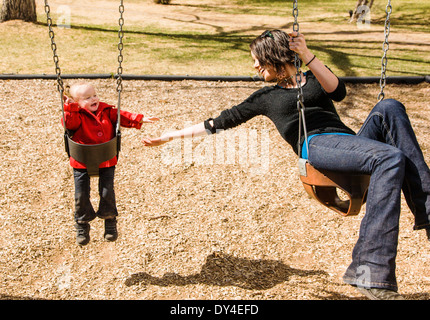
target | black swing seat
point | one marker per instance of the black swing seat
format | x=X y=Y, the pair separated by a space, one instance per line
x=93 y=155
x=322 y=185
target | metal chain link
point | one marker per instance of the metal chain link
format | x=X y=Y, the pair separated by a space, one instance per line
x=295 y=15
x=60 y=85
x=120 y=69
x=385 y=47
x=297 y=63
x=120 y=46
x=300 y=100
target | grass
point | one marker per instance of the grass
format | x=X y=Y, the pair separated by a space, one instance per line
x=191 y=37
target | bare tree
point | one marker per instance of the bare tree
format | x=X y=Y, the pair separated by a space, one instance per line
x=361 y=8
x=18 y=9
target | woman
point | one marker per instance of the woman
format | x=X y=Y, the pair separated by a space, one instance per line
x=385 y=147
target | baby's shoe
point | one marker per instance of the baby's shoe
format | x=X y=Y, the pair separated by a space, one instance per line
x=111 y=233
x=82 y=233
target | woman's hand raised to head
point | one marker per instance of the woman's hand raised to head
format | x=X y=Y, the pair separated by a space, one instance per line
x=297 y=43
x=326 y=78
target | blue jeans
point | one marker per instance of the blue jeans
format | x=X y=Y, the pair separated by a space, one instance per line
x=386 y=148
x=84 y=211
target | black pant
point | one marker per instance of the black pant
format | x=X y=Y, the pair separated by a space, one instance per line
x=84 y=211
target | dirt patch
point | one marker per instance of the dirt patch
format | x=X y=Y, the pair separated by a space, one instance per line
x=181 y=15
x=200 y=227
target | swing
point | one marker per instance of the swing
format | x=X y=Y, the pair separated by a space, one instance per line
x=323 y=185
x=91 y=155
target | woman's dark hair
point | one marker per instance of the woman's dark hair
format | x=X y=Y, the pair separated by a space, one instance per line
x=271 y=48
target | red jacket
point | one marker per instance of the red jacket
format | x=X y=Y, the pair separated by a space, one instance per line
x=98 y=127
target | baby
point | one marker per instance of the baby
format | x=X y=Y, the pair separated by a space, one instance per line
x=93 y=122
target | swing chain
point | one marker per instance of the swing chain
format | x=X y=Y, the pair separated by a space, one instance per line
x=60 y=85
x=120 y=47
x=300 y=99
x=385 y=46
x=295 y=15
x=297 y=63
x=119 y=70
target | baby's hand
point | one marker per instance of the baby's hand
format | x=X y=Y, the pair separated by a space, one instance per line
x=149 y=119
x=67 y=100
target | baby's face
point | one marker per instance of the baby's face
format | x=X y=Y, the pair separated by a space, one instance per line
x=86 y=97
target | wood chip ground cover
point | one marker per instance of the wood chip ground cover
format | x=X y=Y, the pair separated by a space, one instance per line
x=193 y=225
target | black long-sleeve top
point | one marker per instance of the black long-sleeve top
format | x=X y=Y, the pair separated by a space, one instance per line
x=280 y=105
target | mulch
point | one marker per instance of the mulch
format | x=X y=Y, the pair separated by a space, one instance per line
x=197 y=220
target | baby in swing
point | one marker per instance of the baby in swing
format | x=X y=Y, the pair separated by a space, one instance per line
x=93 y=122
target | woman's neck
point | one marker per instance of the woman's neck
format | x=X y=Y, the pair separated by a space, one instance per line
x=289 y=81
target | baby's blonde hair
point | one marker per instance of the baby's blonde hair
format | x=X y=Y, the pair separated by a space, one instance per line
x=70 y=89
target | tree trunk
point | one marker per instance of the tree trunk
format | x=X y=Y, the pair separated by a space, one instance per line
x=18 y=9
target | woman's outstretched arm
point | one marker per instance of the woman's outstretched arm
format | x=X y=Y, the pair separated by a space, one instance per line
x=193 y=131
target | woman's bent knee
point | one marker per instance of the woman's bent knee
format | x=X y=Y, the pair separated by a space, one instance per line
x=390 y=105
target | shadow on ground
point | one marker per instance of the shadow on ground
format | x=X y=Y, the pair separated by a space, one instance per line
x=226 y=270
